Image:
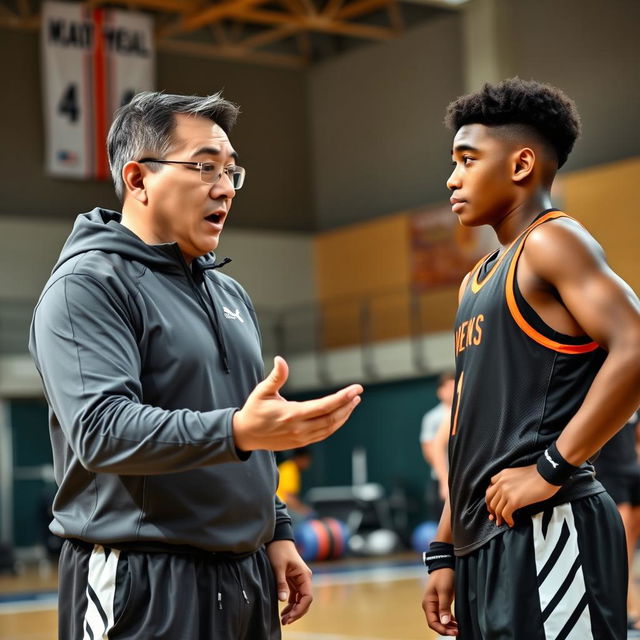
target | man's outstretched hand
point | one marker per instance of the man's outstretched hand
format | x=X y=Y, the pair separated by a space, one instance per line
x=268 y=421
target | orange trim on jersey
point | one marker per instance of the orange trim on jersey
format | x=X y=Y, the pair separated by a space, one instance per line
x=473 y=273
x=513 y=305
x=454 y=427
x=322 y=536
x=475 y=285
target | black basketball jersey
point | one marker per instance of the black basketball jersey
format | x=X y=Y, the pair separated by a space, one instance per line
x=518 y=383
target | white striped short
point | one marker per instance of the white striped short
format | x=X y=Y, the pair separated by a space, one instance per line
x=562 y=575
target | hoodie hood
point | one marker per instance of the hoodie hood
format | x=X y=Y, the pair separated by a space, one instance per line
x=100 y=230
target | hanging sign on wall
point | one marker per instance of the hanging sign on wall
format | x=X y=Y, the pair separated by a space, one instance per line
x=93 y=61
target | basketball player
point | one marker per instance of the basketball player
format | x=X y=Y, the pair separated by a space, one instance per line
x=547 y=343
x=161 y=424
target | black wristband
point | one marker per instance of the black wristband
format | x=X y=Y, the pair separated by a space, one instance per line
x=439 y=556
x=554 y=468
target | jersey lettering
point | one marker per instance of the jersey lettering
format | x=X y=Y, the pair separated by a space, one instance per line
x=469 y=333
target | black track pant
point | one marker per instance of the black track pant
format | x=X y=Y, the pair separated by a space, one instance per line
x=561 y=576
x=111 y=594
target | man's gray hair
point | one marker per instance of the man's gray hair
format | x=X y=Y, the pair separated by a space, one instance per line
x=144 y=126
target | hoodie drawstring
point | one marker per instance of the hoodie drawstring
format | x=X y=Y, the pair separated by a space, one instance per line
x=219 y=592
x=221 y=344
x=237 y=574
x=214 y=321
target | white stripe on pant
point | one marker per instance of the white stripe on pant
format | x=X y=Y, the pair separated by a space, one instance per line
x=101 y=588
x=561 y=587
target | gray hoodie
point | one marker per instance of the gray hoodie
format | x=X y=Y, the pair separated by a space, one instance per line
x=144 y=360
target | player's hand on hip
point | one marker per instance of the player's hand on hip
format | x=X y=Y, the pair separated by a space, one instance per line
x=268 y=421
x=512 y=489
x=437 y=600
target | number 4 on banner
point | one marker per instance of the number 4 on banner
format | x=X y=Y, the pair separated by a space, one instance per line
x=90 y=68
x=68 y=105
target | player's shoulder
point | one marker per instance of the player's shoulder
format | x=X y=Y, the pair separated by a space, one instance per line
x=561 y=243
x=561 y=232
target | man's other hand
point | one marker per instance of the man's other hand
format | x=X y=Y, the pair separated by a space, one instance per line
x=293 y=579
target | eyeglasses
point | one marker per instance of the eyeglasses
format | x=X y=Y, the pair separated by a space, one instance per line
x=210 y=172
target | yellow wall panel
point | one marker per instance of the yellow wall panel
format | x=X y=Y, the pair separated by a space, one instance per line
x=364 y=271
x=363 y=274
x=367 y=258
x=605 y=200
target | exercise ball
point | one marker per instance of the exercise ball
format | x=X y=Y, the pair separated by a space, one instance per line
x=422 y=535
x=321 y=539
x=381 y=542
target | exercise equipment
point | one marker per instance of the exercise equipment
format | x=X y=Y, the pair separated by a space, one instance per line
x=321 y=539
x=422 y=535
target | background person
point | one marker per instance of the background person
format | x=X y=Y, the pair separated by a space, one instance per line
x=434 y=437
x=290 y=484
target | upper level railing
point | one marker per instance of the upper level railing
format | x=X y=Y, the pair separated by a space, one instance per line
x=306 y=328
x=15 y=318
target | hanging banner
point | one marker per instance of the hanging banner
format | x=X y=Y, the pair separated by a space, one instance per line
x=93 y=61
x=442 y=250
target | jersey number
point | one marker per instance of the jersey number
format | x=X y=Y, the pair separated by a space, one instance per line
x=454 y=427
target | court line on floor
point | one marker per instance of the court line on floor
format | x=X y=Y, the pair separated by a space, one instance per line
x=374 y=574
x=25 y=602
x=26 y=606
x=311 y=635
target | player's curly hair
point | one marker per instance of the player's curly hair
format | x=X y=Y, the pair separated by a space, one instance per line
x=549 y=111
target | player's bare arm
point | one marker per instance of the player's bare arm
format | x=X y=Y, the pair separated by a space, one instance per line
x=439 y=592
x=581 y=295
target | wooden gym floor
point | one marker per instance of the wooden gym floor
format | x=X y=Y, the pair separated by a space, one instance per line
x=354 y=600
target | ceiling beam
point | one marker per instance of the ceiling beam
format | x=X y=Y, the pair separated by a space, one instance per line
x=320 y=23
x=294 y=6
x=269 y=35
x=214 y=13
x=453 y=5
x=173 y=6
x=361 y=7
x=332 y=7
x=232 y=52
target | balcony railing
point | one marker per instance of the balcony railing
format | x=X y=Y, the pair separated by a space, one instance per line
x=307 y=328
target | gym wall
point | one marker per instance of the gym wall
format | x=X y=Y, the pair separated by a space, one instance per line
x=605 y=200
x=270 y=137
x=377 y=140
